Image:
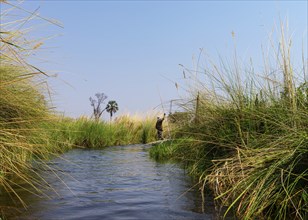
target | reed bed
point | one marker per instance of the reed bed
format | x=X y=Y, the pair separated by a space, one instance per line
x=23 y=105
x=87 y=133
x=246 y=137
x=22 y=110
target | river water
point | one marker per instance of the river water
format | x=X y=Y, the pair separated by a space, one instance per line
x=114 y=183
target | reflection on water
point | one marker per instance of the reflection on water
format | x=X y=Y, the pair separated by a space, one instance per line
x=113 y=183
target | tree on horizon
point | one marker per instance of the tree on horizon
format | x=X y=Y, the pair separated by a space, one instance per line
x=112 y=107
x=96 y=104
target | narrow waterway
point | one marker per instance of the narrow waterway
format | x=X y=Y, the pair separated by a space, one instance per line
x=114 y=183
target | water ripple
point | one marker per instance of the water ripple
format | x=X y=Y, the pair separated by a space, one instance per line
x=116 y=183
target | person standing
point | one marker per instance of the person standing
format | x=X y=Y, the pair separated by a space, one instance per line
x=159 y=127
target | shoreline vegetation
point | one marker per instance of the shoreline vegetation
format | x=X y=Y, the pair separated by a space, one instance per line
x=244 y=138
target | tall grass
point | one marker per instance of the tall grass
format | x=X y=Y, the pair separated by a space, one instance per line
x=246 y=137
x=22 y=110
x=87 y=133
x=23 y=106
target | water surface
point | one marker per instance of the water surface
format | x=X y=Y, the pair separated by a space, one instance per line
x=115 y=183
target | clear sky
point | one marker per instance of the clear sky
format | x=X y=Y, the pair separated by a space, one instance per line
x=130 y=49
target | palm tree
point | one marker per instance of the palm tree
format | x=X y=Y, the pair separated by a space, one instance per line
x=112 y=107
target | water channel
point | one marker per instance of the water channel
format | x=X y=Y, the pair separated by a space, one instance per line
x=114 y=183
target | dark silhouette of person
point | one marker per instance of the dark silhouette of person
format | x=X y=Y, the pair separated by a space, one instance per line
x=159 y=127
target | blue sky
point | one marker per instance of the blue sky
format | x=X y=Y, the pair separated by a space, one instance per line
x=129 y=49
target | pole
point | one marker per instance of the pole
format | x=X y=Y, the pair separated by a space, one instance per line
x=197 y=108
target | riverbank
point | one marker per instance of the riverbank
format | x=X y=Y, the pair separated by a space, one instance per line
x=246 y=137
